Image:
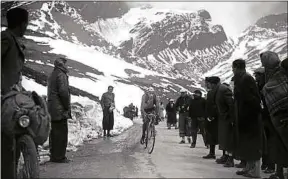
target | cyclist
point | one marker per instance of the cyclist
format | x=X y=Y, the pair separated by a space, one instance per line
x=149 y=104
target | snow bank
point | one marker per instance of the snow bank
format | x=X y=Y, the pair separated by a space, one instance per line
x=112 y=68
x=86 y=122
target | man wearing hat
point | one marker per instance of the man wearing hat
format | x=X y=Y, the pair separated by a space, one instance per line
x=197 y=114
x=59 y=106
x=225 y=106
x=171 y=114
x=182 y=106
x=108 y=105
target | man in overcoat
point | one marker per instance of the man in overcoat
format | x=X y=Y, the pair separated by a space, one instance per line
x=248 y=119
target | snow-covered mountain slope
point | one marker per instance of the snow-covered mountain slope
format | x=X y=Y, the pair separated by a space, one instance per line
x=269 y=33
x=62 y=29
x=178 y=42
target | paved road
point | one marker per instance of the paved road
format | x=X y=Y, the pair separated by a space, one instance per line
x=123 y=156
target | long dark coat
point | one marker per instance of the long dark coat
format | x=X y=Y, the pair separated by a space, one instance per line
x=248 y=117
x=59 y=102
x=225 y=106
x=171 y=113
x=211 y=113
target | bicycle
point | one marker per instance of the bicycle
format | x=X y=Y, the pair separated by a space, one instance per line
x=150 y=133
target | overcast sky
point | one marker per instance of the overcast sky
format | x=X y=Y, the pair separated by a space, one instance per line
x=234 y=16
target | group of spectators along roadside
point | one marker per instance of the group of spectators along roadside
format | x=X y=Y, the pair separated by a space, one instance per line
x=248 y=118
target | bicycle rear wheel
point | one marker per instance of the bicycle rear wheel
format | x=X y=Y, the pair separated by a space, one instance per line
x=151 y=138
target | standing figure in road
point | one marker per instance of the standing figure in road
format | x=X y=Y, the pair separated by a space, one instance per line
x=108 y=105
x=197 y=114
x=149 y=104
x=275 y=92
x=162 y=109
x=59 y=106
x=182 y=106
x=171 y=114
x=267 y=165
x=136 y=111
x=225 y=106
x=211 y=120
x=12 y=62
x=248 y=119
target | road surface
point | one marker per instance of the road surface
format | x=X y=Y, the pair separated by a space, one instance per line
x=123 y=157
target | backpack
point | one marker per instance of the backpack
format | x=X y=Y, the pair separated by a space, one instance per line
x=276 y=92
x=18 y=103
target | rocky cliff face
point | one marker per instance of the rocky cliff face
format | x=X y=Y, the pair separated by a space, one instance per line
x=268 y=33
x=181 y=42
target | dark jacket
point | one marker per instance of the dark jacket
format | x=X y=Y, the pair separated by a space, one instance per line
x=211 y=107
x=212 y=114
x=197 y=107
x=171 y=113
x=248 y=120
x=182 y=104
x=12 y=60
x=225 y=106
x=59 y=104
x=107 y=99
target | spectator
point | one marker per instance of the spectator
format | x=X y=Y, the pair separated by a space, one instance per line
x=162 y=109
x=248 y=121
x=108 y=105
x=59 y=106
x=276 y=97
x=211 y=120
x=182 y=106
x=267 y=163
x=197 y=114
x=12 y=62
x=171 y=114
x=225 y=106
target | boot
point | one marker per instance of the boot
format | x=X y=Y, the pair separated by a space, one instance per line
x=209 y=156
x=222 y=160
x=242 y=164
x=193 y=145
x=104 y=133
x=229 y=163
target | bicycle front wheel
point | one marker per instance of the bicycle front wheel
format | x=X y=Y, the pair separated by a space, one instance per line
x=151 y=138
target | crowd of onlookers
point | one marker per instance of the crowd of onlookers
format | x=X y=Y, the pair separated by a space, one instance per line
x=247 y=118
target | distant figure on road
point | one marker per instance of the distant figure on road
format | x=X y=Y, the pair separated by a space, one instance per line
x=182 y=106
x=171 y=114
x=136 y=111
x=162 y=109
x=108 y=105
x=59 y=106
x=12 y=62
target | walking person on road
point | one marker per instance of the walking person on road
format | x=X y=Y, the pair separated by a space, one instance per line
x=248 y=119
x=197 y=114
x=59 y=106
x=182 y=106
x=108 y=105
x=211 y=120
x=12 y=62
x=171 y=114
x=225 y=106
